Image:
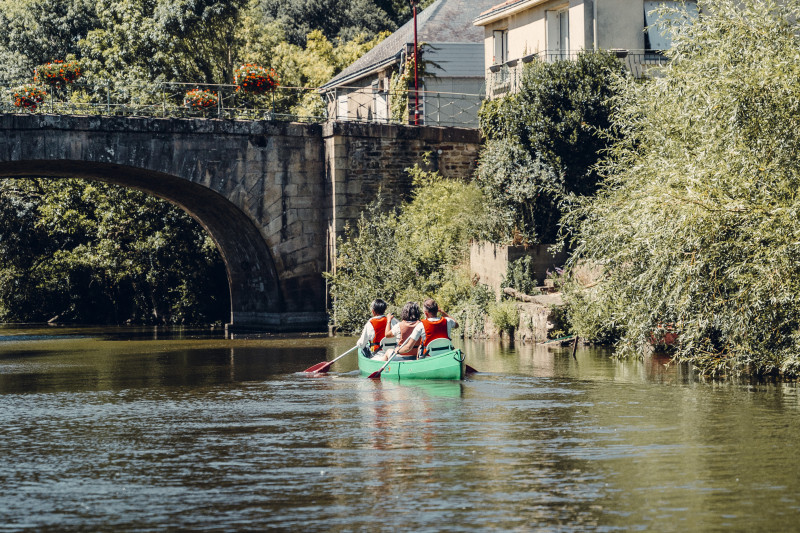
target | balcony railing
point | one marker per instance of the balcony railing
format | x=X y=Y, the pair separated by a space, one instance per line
x=506 y=78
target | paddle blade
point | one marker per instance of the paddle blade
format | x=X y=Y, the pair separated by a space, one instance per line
x=376 y=374
x=319 y=367
x=470 y=370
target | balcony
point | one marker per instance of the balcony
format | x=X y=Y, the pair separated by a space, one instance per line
x=507 y=77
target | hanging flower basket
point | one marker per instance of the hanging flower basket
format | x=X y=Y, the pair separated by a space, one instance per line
x=200 y=99
x=255 y=79
x=57 y=73
x=29 y=96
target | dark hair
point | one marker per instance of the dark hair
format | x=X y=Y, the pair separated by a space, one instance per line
x=410 y=312
x=379 y=306
x=431 y=306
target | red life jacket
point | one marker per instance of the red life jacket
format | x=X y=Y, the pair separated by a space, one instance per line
x=379 y=325
x=435 y=329
x=405 y=332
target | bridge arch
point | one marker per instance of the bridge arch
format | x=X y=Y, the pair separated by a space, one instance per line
x=248 y=262
x=251 y=185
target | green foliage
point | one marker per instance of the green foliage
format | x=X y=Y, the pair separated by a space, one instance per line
x=37 y=31
x=505 y=315
x=409 y=254
x=696 y=224
x=523 y=192
x=337 y=20
x=521 y=275
x=543 y=143
x=101 y=254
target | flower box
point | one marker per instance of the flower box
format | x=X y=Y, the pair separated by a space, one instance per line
x=57 y=73
x=200 y=99
x=29 y=96
x=255 y=79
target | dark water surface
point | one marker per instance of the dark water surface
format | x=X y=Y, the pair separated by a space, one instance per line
x=126 y=429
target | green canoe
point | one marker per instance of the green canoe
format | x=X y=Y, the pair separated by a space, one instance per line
x=448 y=365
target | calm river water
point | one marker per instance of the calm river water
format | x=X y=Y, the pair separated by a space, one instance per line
x=139 y=429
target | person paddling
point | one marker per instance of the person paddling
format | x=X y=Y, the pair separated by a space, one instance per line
x=431 y=327
x=402 y=330
x=374 y=330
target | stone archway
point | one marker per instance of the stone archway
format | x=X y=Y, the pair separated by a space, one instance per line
x=252 y=279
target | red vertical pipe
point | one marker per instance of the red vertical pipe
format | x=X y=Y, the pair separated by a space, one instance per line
x=416 y=80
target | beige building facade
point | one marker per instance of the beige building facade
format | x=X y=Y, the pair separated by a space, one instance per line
x=519 y=31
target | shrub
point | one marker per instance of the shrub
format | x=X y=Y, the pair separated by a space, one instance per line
x=28 y=96
x=200 y=99
x=542 y=144
x=505 y=316
x=696 y=224
x=411 y=253
x=255 y=79
x=521 y=275
x=57 y=73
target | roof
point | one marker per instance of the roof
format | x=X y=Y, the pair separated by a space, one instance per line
x=444 y=21
x=509 y=7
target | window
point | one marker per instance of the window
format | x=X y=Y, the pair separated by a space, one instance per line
x=656 y=36
x=557 y=33
x=381 y=107
x=341 y=107
x=500 y=47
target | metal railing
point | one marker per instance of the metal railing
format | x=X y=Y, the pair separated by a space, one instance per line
x=157 y=99
x=435 y=108
x=506 y=78
x=296 y=104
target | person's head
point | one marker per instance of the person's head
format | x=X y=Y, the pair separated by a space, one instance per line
x=378 y=307
x=410 y=312
x=431 y=307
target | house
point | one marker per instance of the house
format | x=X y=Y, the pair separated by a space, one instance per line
x=451 y=88
x=519 y=31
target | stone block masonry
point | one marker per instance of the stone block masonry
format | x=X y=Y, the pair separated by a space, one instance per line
x=272 y=195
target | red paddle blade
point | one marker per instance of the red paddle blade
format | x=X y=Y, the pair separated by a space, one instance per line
x=375 y=375
x=319 y=367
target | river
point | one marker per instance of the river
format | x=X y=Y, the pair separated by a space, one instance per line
x=145 y=429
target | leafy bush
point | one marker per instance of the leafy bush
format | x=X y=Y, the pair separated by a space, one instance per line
x=200 y=99
x=696 y=224
x=415 y=252
x=57 y=73
x=542 y=144
x=28 y=96
x=521 y=275
x=505 y=316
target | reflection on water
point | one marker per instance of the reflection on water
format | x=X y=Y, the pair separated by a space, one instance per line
x=123 y=429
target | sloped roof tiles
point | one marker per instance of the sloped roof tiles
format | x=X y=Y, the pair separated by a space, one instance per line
x=444 y=21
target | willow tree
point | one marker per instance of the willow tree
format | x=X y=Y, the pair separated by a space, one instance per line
x=697 y=226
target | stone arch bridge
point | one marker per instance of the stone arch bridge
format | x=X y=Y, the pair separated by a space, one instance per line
x=273 y=196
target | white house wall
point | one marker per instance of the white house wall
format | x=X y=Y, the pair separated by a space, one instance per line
x=620 y=24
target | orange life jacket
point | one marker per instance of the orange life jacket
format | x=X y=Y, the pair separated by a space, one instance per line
x=379 y=325
x=435 y=329
x=405 y=332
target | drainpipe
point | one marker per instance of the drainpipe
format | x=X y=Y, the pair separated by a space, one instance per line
x=594 y=22
x=416 y=69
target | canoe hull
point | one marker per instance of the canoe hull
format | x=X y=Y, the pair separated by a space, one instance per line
x=449 y=365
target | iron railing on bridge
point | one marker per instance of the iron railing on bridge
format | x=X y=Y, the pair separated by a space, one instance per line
x=298 y=104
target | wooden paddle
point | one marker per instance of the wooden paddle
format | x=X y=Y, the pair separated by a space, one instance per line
x=323 y=367
x=377 y=373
